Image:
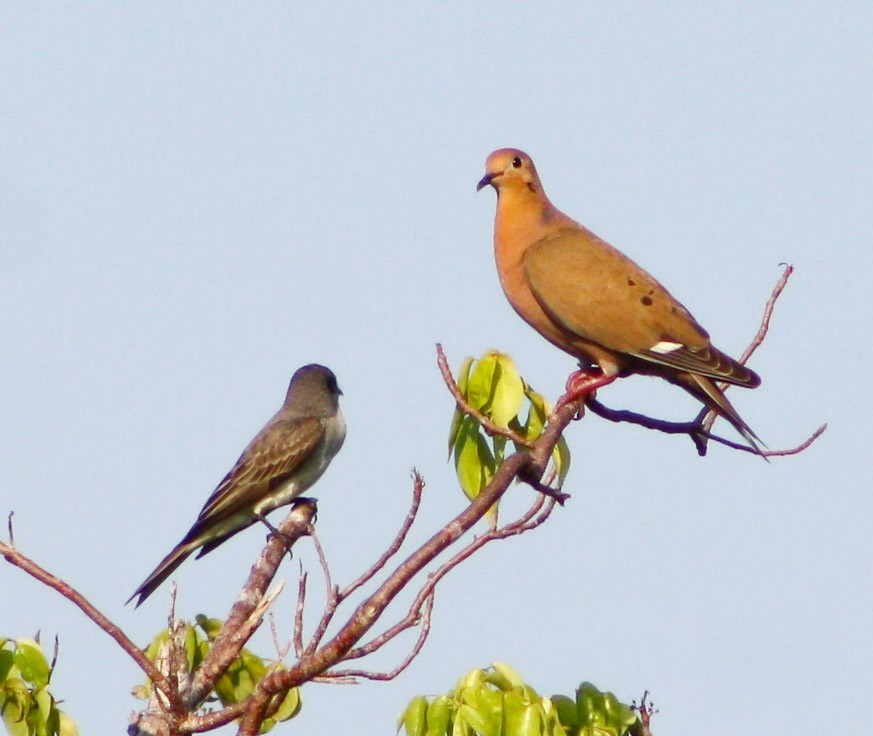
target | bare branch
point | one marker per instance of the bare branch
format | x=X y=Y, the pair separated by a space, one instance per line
x=417 y=489
x=298 y=613
x=14 y=557
x=764 y=328
x=707 y=417
x=425 y=619
x=520 y=525
x=802 y=446
x=281 y=649
x=331 y=601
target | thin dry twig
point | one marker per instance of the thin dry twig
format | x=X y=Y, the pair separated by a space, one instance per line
x=706 y=418
x=332 y=601
x=281 y=649
x=399 y=539
x=335 y=597
x=645 y=711
x=758 y=340
x=518 y=526
x=298 y=613
x=16 y=558
x=352 y=675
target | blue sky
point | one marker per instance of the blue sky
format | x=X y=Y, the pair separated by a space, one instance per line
x=195 y=201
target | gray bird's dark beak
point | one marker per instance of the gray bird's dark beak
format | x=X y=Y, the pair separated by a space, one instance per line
x=484 y=181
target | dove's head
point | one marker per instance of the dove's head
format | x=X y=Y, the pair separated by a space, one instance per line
x=509 y=168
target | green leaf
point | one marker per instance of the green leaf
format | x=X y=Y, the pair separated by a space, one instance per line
x=16 y=725
x=31 y=662
x=527 y=721
x=481 y=382
x=566 y=708
x=439 y=713
x=415 y=717
x=152 y=649
x=474 y=462
x=536 y=415
x=503 y=676
x=561 y=458
x=458 y=415
x=473 y=679
x=7 y=663
x=507 y=392
x=44 y=702
x=477 y=721
x=66 y=725
x=254 y=665
x=460 y=727
x=210 y=626
x=191 y=640
x=489 y=703
x=618 y=715
x=290 y=707
x=590 y=706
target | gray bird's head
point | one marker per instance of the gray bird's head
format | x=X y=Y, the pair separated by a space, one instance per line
x=313 y=390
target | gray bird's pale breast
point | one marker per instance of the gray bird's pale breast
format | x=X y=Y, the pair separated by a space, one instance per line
x=312 y=469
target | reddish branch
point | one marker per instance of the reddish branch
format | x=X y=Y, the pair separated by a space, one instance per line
x=14 y=557
x=247 y=613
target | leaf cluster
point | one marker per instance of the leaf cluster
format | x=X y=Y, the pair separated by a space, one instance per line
x=27 y=706
x=497 y=702
x=239 y=680
x=492 y=387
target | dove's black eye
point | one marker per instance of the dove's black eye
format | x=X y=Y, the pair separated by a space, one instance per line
x=516 y=163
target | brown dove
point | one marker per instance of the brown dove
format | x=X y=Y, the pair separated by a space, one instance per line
x=594 y=302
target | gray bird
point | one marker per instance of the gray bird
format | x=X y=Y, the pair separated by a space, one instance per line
x=283 y=460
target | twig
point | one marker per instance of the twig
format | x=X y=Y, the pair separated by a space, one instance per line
x=768 y=313
x=417 y=489
x=281 y=649
x=298 y=613
x=331 y=601
x=518 y=526
x=55 y=651
x=425 y=620
x=802 y=446
x=706 y=418
x=14 y=557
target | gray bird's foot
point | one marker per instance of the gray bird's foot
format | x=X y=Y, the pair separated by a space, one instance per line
x=275 y=532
